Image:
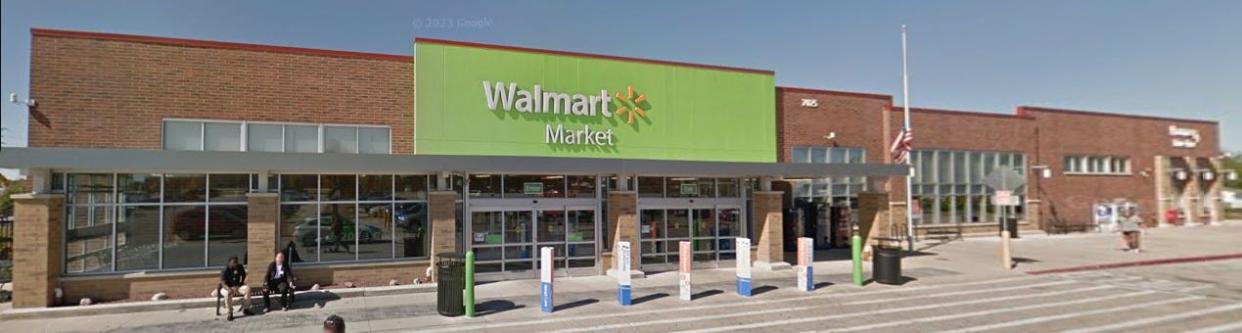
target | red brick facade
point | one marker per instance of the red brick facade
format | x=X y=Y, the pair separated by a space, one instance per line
x=113 y=91
x=1045 y=135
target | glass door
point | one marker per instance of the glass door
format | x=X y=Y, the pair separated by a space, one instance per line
x=506 y=241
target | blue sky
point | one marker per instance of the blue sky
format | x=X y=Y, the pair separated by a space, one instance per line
x=1166 y=58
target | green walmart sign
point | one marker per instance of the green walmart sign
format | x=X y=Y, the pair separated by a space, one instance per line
x=479 y=100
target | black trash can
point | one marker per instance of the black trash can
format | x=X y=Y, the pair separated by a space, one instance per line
x=1010 y=224
x=886 y=265
x=451 y=272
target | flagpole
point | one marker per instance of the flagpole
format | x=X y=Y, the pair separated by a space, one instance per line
x=905 y=91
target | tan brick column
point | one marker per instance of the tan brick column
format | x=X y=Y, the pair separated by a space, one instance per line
x=622 y=226
x=262 y=220
x=1164 y=189
x=1192 y=195
x=1035 y=213
x=38 y=227
x=768 y=214
x=1214 y=200
x=443 y=210
x=878 y=218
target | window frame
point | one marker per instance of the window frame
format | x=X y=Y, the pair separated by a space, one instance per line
x=245 y=132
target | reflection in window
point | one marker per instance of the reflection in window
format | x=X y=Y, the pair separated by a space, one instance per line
x=226 y=233
x=138 y=238
x=185 y=230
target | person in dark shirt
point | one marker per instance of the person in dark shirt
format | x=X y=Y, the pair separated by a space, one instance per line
x=279 y=279
x=233 y=278
x=334 y=324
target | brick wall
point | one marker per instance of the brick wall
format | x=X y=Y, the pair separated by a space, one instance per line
x=113 y=91
x=1068 y=198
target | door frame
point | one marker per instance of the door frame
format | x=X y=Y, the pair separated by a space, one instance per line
x=534 y=206
x=691 y=204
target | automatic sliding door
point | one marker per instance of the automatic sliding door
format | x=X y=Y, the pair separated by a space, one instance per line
x=580 y=240
x=550 y=230
x=487 y=243
x=703 y=236
x=678 y=229
x=652 y=235
x=519 y=243
x=730 y=228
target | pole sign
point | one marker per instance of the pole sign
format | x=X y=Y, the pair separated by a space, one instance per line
x=806 y=257
x=545 y=277
x=1005 y=198
x=623 y=273
x=684 y=259
x=743 y=266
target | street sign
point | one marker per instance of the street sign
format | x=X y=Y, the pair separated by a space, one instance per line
x=1005 y=198
x=1004 y=179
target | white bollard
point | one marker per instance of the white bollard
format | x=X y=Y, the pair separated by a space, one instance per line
x=806 y=261
x=623 y=273
x=545 y=277
x=685 y=258
x=742 y=249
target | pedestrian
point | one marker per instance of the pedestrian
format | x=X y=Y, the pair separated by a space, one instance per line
x=334 y=324
x=233 y=280
x=338 y=234
x=1130 y=223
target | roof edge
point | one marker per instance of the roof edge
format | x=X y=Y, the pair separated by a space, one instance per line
x=1022 y=110
x=200 y=43
x=899 y=108
x=837 y=92
x=590 y=55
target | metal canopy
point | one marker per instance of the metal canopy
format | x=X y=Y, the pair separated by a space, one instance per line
x=135 y=160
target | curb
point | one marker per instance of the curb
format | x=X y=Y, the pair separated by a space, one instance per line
x=204 y=303
x=1141 y=263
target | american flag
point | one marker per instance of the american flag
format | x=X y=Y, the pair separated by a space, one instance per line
x=901 y=146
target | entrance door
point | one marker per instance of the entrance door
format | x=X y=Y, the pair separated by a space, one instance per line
x=711 y=232
x=506 y=240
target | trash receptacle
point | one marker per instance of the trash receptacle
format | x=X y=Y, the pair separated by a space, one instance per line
x=886 y=265
x=451 y=279
x=1010 y=224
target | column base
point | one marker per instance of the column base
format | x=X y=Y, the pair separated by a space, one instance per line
x=770 y=266
x=634 y=274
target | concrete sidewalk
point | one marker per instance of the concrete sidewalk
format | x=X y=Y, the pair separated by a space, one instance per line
x=960 y=260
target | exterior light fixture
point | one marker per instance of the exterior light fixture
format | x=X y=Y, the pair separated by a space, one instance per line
x=1208 y=175
x=1233 y=175
x=1180 y=174
x=1044 y=171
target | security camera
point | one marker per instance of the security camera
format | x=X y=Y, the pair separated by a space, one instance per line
x=30 y=102
x=831 y=135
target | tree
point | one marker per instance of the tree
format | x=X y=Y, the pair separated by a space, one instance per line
x=6 y=200
x=1233 y=162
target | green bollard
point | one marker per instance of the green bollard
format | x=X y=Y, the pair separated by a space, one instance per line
x=468 y=294
x=856 y=254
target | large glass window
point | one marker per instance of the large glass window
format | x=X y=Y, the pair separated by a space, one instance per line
x=301 y=139
x=373 y=140
x=340 y=139
x=141 y=221
x=354 y=217
x=950 y=185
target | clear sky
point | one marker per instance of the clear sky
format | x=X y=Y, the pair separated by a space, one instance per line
x=1166 y=58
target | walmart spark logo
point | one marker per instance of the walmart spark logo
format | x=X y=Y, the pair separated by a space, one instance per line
x=631 y=105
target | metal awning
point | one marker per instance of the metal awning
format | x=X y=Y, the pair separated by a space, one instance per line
x=135 y=160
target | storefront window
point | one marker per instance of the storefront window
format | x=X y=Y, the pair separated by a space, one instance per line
x=957 y=193
x=485 y=186
x=162 y=221
x=386 y=220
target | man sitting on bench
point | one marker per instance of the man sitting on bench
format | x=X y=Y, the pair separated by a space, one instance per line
x=279 y=279
x=233 y=278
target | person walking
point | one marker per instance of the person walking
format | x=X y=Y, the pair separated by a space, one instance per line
x=338 y=234
x=1130 y=223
